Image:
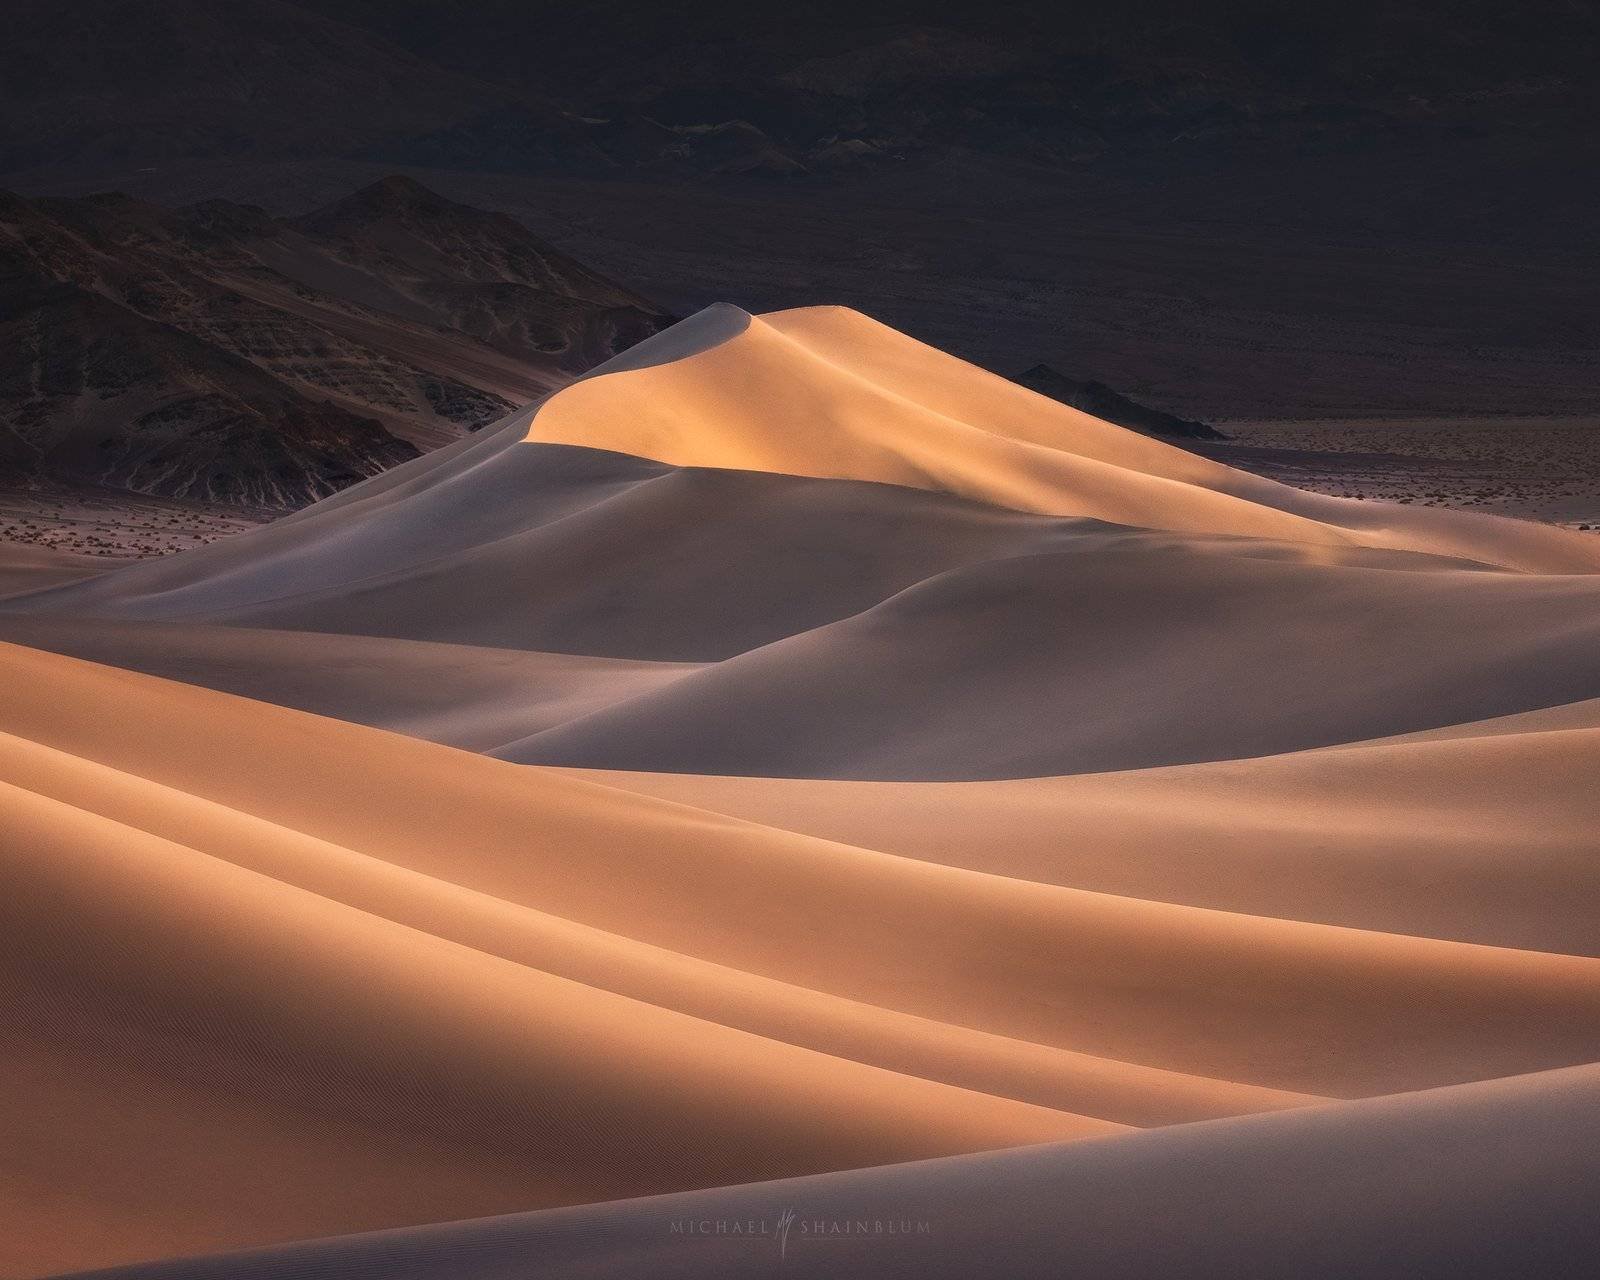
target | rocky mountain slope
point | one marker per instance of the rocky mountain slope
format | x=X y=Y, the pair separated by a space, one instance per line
x=215 y=352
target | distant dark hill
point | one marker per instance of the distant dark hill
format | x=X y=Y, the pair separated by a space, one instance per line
x=1306 y=210
x=214 y=352
x=94 y=391
x=1100 y=400
x=483 y=274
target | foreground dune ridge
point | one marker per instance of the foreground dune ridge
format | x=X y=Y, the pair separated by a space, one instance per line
x=600 y=958
x=938 y=770
x=162 y=877
x=1481 y=1180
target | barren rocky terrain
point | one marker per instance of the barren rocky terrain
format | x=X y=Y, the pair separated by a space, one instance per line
x=218 y=354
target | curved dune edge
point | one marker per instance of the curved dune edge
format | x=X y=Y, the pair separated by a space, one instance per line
x=830 y=393
x=258 y=931
x=726 y=622
x=1481 y=833
x=473 y=697
x=1489 y=1179
x=819 y=393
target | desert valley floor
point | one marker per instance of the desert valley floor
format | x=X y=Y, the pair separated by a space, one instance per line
x=792 y=778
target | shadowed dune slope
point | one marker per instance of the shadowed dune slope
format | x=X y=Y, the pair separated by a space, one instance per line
x=574 y=550
x=1047 y=649
x=1483 y=1180
x=1111 y=655
x=465 y=696
x=25 y=569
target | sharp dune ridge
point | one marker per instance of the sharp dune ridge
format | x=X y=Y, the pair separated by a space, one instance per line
x=790 y=750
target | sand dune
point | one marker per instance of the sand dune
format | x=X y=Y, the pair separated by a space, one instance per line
x=1478 y=1180
x=1110 y=656
x=203 y=930
x=752 y=493
x=480 y=699
x=826 y=391
x=1486 y=835
x=821 y=393
x=235 y=936
x=1049 y=653
x=789 y=750
x=26 y=569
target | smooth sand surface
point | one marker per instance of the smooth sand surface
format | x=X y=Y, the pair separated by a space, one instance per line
x=1484 y=1180
x=271 y=937
x=480 y=699
x=1483 y=836
x=940 y=771
x=1049 y=651
x=1111 y=656
x=25 y=569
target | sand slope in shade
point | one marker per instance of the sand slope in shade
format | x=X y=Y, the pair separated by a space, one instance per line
x=26 y=569
x=1472 y=1181
x=1115 y=655
x=479 y=699
x=1112 y=651
x=893 y=766
x=1482 y=1180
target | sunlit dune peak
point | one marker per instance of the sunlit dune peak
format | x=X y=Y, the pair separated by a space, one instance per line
x=829 y=393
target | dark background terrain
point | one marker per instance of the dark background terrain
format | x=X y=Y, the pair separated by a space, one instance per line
x=1240 y=209
x=1357 y=237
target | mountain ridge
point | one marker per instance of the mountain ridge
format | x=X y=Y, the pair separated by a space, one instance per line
x=318 y=350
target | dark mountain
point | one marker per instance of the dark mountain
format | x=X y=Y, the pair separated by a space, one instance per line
x=1100 y=400
x=1246 y=208
x=215 y=352
x=482 y=274
x=94 y=392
